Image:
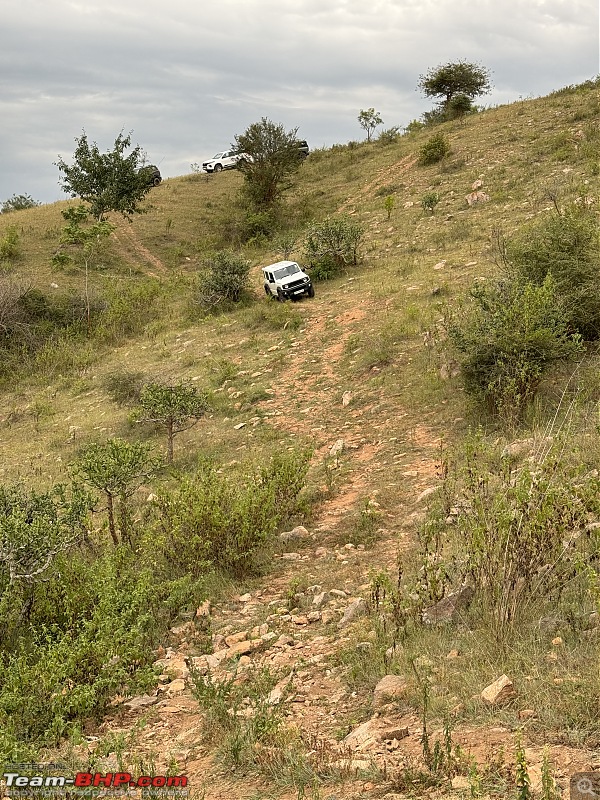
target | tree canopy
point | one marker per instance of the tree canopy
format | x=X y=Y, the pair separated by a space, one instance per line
x=111 y=181
x=274 y=156
x=369 y=119
x=117 y=468
x=176 y=407
x=459 y=77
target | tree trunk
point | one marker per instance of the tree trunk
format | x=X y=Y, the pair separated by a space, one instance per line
x=111 y=519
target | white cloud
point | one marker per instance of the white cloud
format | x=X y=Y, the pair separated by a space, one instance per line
x=187 y=77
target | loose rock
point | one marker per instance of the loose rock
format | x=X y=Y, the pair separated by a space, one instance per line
x=356 y=609
x=389 y=688
x=499 y=692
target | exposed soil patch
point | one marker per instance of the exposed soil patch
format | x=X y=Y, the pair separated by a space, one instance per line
x=134 y=252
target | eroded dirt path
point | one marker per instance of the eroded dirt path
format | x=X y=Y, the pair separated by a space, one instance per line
x=134 y=252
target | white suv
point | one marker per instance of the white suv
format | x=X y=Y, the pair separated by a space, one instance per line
x=286 y=280
x=228 y=159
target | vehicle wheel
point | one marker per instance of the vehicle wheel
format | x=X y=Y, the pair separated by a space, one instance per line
x=217 y=168
x=269 y=294
x=157 y=181
x=280 y=296
x=311 y=291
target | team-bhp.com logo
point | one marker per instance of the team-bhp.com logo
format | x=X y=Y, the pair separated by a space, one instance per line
x=19 y=784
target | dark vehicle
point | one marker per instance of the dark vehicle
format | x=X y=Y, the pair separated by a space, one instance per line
x=303 y=148
x=154 y=176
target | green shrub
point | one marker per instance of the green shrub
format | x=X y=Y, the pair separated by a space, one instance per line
x=95 y=639
x=435 y=149
x=124 y=387
x=512 y=333
x=10 y=244
x=18 y=202
x=519 y=535
x=389 y=136
x=214 y=522
x=225 y=278
x=332 y=245
x=429 y=201
x=567 y=247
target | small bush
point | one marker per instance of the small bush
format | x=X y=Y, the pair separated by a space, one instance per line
x=9 y=244
x=124 y=387
x=567 y=247
x=429 y=201
x=434 y=150
x=18 y=202
x=519 y=535
x=212 y=522
x=389 y=136
x=332 y=245
x=511 y=335
x=225 y=278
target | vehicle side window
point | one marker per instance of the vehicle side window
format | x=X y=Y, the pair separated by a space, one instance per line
x=271 y=278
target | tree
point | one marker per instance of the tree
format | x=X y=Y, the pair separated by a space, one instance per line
x=369 y=120
x=110 y=181
x=447 y=80
x=36 y=527
x=117 y=468
x=177 y=407
x=18 y=202
x=274 y=157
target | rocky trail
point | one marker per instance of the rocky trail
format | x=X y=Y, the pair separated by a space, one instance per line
x=309 y=609
x=296 y=636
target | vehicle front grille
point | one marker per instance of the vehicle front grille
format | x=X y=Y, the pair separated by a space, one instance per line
x=295 y=285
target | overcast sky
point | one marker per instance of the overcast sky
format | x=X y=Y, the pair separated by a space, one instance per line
x=187 y=75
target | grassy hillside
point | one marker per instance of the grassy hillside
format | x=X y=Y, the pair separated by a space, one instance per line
x=365 y=362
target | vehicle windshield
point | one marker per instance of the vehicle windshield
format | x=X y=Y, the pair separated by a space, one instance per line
x=292 y=269
x=218 y=155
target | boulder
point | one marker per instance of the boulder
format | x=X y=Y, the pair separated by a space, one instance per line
x=500 y=692
x=143 y=701
x=175 y=687
x=356 y=609
x=362 y=737
x=449 y=608
x=389 y=688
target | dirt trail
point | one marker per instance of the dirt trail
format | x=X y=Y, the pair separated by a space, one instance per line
x=308 y=401
x=134 y=252
x=382 y=178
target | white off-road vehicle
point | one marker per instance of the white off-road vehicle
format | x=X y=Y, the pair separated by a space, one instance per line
x=228 y=159
x=286 y=280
